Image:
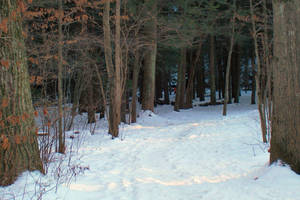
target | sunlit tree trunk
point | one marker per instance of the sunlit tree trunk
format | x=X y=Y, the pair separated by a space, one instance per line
x=114 y=71
x=18 y=143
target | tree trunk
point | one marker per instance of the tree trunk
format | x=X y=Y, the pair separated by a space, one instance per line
x=190 y=85
x=166 y=87
x=180 y=88
x=227 y=79
x=201 y=82
x=114 y=71
x=150 y=60
x=19 y=147
x=212 y=70
x=285 y=137
x=90 y=102
x=61 y=137
x=253 y=79
x=221 y=77
x=236 y=68
x=259 y=91
x=135 y=77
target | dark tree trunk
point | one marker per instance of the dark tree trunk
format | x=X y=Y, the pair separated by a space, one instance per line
x=253 y=79
x=180 y=88
x=212 y=70
x=19 y=147
x=285 y=138
x=158 y=85
x=190 y=86
x=166 y=88
x=61 y=135
x=124 y=107
x=227 y=78
x=90 y=103
x=135 y=77
x=221 y=77
x=235 y=71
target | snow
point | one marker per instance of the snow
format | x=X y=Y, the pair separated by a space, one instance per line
x=189 y=155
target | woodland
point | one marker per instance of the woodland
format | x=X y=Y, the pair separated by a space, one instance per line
x=114 y=60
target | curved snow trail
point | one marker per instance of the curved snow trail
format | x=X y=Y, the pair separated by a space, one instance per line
x=191 y=155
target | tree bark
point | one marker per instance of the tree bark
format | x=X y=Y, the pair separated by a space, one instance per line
x=18 y=142
x=114 y=71
x=190 y=84
x=285 y=138
x=259 y=91
x=227 y=79
x=135 y=77
x=180 y=88
x=236 y=69
x=61 y=138
x=212 y=70
x=150 y=60
x=253 y=79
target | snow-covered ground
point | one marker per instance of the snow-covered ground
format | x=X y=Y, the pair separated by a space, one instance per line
x=189 y=155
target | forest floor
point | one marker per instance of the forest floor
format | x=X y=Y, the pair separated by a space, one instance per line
x=189 y=155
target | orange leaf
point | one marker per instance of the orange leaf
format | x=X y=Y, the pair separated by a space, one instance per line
x=29 y=1
x=36 y=114
x=24 y=138
x=5 y=142
x=14 y=15
x=18 y=139
x=3 y=25
x=4 y=103
x=5 y=63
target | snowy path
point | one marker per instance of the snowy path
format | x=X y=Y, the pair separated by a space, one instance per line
x=192 y=155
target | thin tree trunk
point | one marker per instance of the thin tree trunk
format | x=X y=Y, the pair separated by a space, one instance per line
x=253 y=78
x=77 y=94
x=191 y=81
x=202 y=79
x=236 y=71
x=260 y=103
x=90 y=103
x=166 y=88
x=180 y=88
x=135 y=77
x=113 y=71
x=228 y=66
x=212 y=70
x=19 y=146
x=61 y=138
